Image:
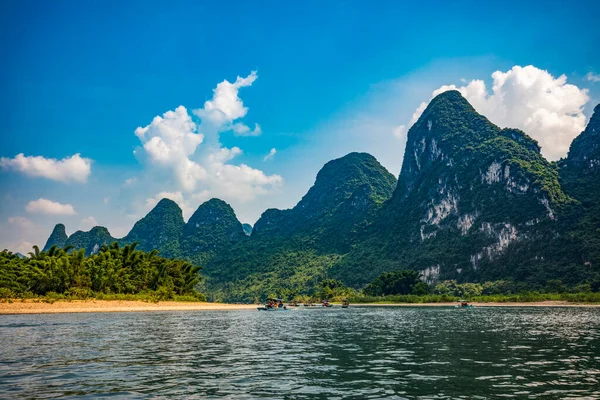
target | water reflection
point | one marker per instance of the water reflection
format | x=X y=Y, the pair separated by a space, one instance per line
x=353 y=353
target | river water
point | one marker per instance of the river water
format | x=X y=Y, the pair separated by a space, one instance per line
x=361 y=353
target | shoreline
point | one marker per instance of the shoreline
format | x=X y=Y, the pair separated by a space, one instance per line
x=91 y=306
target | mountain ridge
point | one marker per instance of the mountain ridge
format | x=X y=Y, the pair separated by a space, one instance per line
x=472 y=202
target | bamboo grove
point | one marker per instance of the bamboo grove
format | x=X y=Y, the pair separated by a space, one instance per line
x=112 y=270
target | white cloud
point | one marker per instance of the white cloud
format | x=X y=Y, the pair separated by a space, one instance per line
x=270 y=155
x=168 y=142
x=240 y=129
x=88 y=223
x=69 y=169
x=192 y=165
x=49 y=207
x=21 y=222
x=223 y=155
x=226 y=106
x=592 y=77
x=547 y=108
x=106 y=200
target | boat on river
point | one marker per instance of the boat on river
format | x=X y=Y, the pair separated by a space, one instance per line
x=345 y=304
x=265 y=308
x=273 y=305
x=464 y=304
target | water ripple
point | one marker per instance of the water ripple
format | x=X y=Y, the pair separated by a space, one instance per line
x=380 y=353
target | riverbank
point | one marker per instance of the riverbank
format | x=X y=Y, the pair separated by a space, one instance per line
x=90 y=306
x=87 y=306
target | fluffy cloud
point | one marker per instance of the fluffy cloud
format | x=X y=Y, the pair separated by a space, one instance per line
x=88 y=223
x=69 y=169
x=226 y=106
x=547 y=108
x=270 y=155
x=49 y=207
x=592 y=77
x=240 y=129
x=168 y=142
x=240 y=182
x=192 y=168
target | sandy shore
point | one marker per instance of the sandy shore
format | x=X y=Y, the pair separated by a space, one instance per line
x=83 y=306
x=86 y=306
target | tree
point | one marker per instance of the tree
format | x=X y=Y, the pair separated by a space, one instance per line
x=397 y=282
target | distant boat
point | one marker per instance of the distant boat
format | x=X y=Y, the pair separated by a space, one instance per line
x=326 y=303
x=464 y=304
x=264 y=308
x=345 y=304
x=273 y=305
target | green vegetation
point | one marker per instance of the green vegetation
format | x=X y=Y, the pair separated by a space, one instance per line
x=90 y=241
x=291 y=251
x=474 y=203
x=406 y=287
x=247 y=229
x=526 y=297
x=396 y=282
x=478 y=203
x=113 y=271
x=159 y=230
x=289 y=275
x=57 y=238
x=212 y=229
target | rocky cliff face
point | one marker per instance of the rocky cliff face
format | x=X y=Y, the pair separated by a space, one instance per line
x=57 y=238
x=467 y=192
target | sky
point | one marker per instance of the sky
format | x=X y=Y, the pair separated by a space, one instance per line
x=108 y=106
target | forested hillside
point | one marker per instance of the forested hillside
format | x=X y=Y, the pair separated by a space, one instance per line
x=473 y=203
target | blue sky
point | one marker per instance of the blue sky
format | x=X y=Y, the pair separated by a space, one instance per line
x=80 y=77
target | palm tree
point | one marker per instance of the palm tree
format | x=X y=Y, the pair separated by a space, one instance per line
x=36 y=253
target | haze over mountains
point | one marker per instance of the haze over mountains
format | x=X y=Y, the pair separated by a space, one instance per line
x=473 y=202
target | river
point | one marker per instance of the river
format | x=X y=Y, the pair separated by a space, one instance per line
x=360 y=352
